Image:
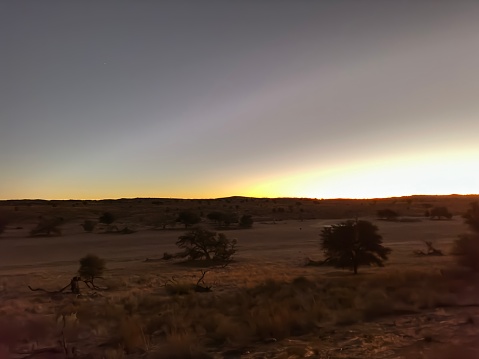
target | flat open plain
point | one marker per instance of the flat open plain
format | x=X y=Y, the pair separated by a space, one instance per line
x=265 y=304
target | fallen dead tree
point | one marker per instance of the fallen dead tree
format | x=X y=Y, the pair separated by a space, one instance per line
x=74 y=287
x=71 y=288
x=431 y=251
x=173 y=286
x=312 y=263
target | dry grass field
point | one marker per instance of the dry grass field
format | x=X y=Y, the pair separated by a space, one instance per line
x=266 y=303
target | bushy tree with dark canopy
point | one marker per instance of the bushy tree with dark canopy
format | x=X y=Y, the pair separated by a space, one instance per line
x=223 y=218
x=107 y=218
x=3 y=224
x=246 y=221
x=439 y=212
x=352 y=244
x=91 y=267
x=200 y=243
x=471 y=217
x=188 y=218
x=466 y=247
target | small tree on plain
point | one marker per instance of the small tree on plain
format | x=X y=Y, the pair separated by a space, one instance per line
x=107 y=218
x=471 y=217
x=47 y=227
x=3 y=224
x=215 y=216
x=387 y=214
x=91 y=267
x=246 y=221
x=200 y=243
x=466 y=247
x=439 y=212
x=352 y=244
x=88 y=225
x=188 y=218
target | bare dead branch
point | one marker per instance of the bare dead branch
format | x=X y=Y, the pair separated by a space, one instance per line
x=202 y=288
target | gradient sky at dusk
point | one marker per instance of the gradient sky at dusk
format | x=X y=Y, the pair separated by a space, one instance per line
x=201 y=99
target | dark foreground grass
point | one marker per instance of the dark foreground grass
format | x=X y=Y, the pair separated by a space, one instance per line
x=189 y=325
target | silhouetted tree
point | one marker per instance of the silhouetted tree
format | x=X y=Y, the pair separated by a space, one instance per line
x=91 y=267
x=165 y=219
x=88 y=225
x=215 y=216
x=223 y=218
x=188 y=218
x=47 y=227
x=387 y=214
x=107 y=218
x=352 y=244
x=200 y=243
x=439 y=212
x=246 y=221
x=3 y=224
x=466 y=247
x=471 y=217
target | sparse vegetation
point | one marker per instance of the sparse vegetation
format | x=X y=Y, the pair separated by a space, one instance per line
x=159 y=309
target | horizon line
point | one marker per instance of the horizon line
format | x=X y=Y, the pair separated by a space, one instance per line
x=239 y=196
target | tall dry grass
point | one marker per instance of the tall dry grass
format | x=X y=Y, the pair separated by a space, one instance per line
x=177 y=324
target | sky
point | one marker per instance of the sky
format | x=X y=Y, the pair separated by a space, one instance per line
x=207 y=99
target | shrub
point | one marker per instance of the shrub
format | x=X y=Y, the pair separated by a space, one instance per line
x=107 y=218
x=3 y=225
x=471 y=217
x=246 y=221
x=223 y=218
x=439 y=212
x=88 y=225
x=47 y=227
x=466 y=247
x=91 y=267
x=387 y=214
x=188 y=218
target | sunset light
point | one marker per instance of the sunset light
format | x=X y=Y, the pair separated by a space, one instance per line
x=304 y=101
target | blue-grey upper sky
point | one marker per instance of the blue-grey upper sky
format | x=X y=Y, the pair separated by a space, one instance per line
x=215 y=98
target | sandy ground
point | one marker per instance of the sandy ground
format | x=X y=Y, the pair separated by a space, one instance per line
x=291 y=240
x=269 y=249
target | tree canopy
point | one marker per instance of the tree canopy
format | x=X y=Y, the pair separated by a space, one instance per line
x=352 y=244
x=188 y=218
x=471 y=217
x=200 y=243
x=107 y=218
x=439 y=212
x=467 y=245
x=91 y=267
